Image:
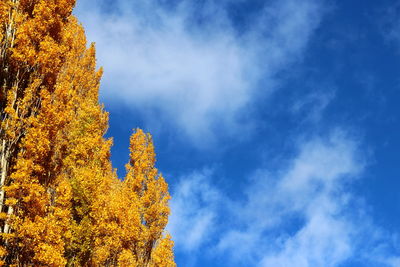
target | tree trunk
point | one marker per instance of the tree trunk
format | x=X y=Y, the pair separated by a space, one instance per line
x=3 y=169
x=7 y=146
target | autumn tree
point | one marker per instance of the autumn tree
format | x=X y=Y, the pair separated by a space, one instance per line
x=133 y=235
x=38 y=197
x=87 y=152
x=61 y=202
x=31 y=55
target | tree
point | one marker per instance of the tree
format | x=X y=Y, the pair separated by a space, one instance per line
x=61 y=202
x=86 y=157
x=31 y=55
x=38 y=195
x=132 y=235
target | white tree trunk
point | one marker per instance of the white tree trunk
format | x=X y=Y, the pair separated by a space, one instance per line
x=7 y=146
x=4 y=160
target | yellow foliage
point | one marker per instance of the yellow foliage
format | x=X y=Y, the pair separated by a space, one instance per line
x=61 y=203
x=163 y=255
x=131 y=227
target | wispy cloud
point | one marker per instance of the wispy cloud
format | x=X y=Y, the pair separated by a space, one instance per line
x=313 y=105
x=389 y=22
x=304 y=204
x=303 y=214
x=194 y=210
x=198 y=77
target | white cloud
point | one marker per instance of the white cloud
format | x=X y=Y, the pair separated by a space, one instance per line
x=303 y=214
x=194 y=210
x=324 y=240
x=297 y=216
x=309 y=197
x=198 y=78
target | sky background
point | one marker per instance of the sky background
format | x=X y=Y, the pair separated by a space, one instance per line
x=275 y=122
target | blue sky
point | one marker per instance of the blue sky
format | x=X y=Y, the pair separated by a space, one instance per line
x=275 y=122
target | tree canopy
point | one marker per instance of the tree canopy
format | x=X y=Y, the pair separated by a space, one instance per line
x=61 y=202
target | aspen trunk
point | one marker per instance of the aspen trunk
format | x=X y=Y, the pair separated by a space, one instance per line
x=6 y=145
x=6 y=224
x=4 y=169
